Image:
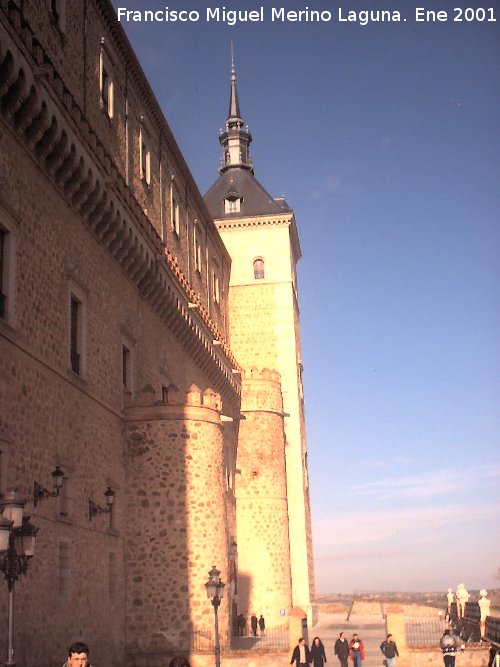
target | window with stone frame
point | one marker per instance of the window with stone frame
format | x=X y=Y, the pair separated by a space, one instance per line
x=144 y=156
x=106 y=80
x=7 y=267
x=197 y=247
x=215 y=284
x=175 y=213
x=77 y=328
x=4 y=460
x=258 y=269
x=232 y=204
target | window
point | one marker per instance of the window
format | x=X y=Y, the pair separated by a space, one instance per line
x=126 y=367
x=75 y=317
x=258 y=269
x=175 y=216
x=144 y=156
x=215 y=285
x=232 y=204
x=7 y=267
x=77 y=327
x=197 y=248
x=164 y=394
x=66 y=497
x=4 y=456
x=3 y=245
x=106 y=81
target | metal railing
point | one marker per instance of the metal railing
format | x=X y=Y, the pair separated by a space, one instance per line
x=273 y=639
x=492 y=630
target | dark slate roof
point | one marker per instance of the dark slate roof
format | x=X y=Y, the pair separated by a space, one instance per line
x=242 y=183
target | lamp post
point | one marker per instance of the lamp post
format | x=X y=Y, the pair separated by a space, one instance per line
x=215 y=591
x=17 y=546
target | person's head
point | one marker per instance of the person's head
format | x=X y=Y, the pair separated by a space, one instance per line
x=78 y=654
x=301 y=641
x=389 y=638
x=341 y=635
x=179 y=661
x=355 y=636
x=317 y=641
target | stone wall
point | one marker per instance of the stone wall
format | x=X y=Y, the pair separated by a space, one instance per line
x=176 y=480
x=264 y=583
x=76 y=225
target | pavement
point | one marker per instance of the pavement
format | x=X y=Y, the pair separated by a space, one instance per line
x=371 y=630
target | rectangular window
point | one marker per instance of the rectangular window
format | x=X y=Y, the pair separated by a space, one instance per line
x=8 y=230
x=197 y=248
x=66 y=498
x=75 y=324
x=215 y=288
x=125 y=367
x=77 y=321
x=106 y=82
x=164 y=394
x=175 y=215
x=3 y=263
x=145 y=157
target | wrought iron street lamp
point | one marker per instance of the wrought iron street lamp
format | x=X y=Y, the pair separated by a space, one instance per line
x=40 y=492
x=17 y=546
x=95 y=509
x=215 y=591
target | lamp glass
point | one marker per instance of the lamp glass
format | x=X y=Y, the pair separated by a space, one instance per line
x=57 y=477
x=4 y=536
x=211 y=587
x=14 y=514
x=220 y=589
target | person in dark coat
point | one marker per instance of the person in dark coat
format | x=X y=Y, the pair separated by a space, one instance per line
x=318 y=654
x=262 y=626
x=253 y=624
x=342 y=650
x=301 y=655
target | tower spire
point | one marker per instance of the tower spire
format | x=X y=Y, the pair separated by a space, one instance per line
x=236 y=138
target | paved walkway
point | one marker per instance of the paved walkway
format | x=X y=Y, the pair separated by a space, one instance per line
x=371 y=629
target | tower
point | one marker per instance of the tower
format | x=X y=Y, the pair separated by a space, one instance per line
x=261 y=236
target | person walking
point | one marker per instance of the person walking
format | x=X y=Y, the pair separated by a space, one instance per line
x=390 y=650
x=253 y=624
x=318 y=654
x=341 y=650
x=356 y=650
x=262 y=626
x=449 y=645
x=301 y=655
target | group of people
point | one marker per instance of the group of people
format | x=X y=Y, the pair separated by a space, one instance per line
x=302 y=656
x=255 y=623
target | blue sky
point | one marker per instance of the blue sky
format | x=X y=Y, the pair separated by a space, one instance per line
x=385 y=139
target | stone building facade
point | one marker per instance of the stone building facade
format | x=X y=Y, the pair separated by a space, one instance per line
x=122 y=360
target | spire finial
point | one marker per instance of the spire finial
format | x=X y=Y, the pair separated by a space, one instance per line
x=233 y=70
